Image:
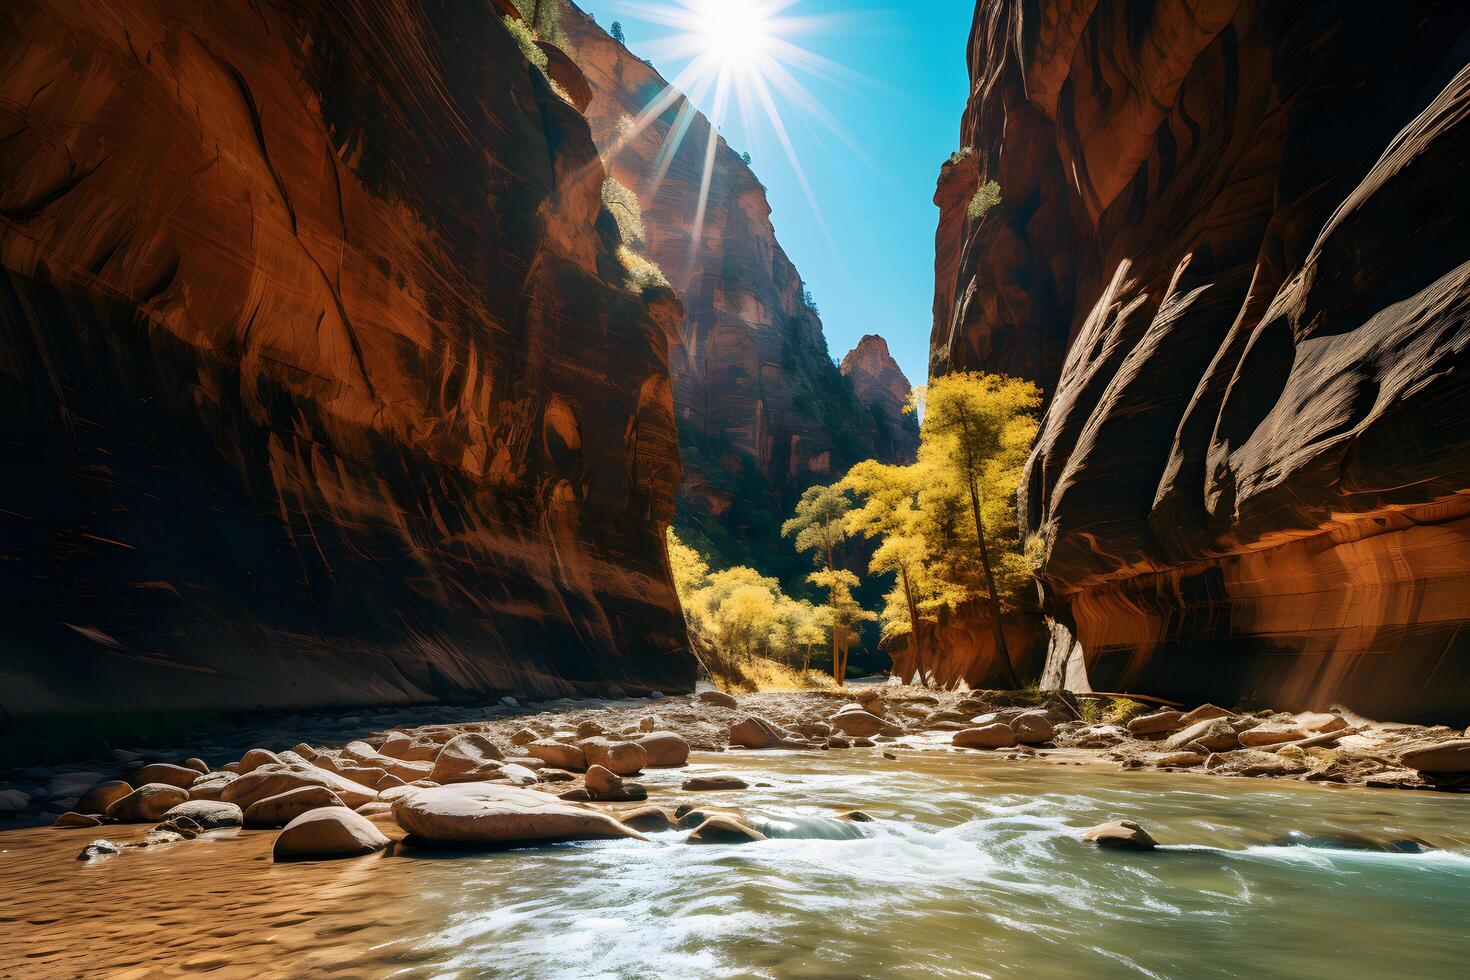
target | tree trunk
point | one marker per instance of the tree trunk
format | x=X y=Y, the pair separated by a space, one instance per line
x=995 y=625
x=908 y=597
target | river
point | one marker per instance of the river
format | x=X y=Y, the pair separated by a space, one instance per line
x=972 y=868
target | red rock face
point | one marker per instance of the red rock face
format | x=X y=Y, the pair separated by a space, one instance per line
x=1232 y=246
x=762 y=410
x=320 y=384
x=880 y=384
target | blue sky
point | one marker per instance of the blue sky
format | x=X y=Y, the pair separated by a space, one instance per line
x=902 y=114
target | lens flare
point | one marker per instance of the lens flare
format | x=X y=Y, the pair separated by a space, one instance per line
x=742 y=57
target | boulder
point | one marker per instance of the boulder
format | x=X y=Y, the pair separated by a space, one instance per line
x=99 y=848
x=208 y=814
x=305 y=751
x=1121 y=834
x=255 y=758
x=755 y=732
x=1205 y=712
x=1165 y=722
x=164 y=772
x=266 y=782
x=648 y=723
x=198 y=765
x=649 y=819
x=1452 y=756
x=103 y=795
x=605 y=785
x=623 y=758
x=1175 y=760
x=590 y=729
x=1270 y=735
x=721 y=828
x=665 y=750
x=1211 y=735
x=856 y=721
x=558 y=754
x=328 y=832
x=714 y=782
x=1032 y=728
x=210 y=786
x=147 y=803
x=525 y=736
x=996 y=735
x=519 y=775
x=1319 y=722
x=488 y=814
x=464 y=757
x=73 y=819
x=281 y=809
x=404 y=769
x=401 y=746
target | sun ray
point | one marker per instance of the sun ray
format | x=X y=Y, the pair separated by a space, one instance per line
x=743 y=59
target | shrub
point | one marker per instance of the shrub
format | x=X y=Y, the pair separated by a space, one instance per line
x=960 y=154
x=643 y=274
x=626 y=211
x=987 y=196
x=1121 y=710
x=527 y=41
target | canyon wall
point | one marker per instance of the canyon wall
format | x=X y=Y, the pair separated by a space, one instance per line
x=320 y=381
x=1232 y=244
x=762 y=410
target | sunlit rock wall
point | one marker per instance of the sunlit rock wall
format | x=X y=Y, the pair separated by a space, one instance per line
x=763 y=411
x=319 y=380
x=1233 y=246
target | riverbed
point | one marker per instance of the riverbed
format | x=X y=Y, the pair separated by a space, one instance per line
x=972 y=867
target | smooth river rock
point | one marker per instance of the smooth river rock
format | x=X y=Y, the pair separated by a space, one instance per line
x=996 y=735
x=328 y=832
x=1452 y=756
x=487 y=814
x=1121 y=834
x=281 y=809
x=208 y=814
x=665 y=750
x=147 y=803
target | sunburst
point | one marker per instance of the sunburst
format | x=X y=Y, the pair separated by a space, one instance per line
x=742 y=56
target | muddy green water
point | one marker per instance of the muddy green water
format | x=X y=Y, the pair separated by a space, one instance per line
x=973 y=868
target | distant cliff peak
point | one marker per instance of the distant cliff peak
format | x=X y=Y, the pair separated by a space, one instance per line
x=880 y=383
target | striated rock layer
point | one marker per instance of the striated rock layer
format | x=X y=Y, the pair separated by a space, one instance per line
x=1233 y=246
x=320 y=384
x=762 y=410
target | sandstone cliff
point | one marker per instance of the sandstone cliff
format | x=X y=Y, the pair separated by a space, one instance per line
x=762 y=410
x=320 y=381
x=1232 y=245
x=881 y=386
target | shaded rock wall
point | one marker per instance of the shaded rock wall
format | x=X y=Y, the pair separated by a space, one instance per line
x=1233 y=247
x=319 y=381
x=763 y=411
x=881 y=386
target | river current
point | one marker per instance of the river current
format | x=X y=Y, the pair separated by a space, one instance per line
x=972 y=867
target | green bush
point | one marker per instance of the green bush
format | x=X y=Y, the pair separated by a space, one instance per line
x=960 y=154
x=527 y=41
x=987 y=196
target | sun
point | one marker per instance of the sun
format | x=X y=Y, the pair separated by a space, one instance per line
x=736 y=33
x=736 y=59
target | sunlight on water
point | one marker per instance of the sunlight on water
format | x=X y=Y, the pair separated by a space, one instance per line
x=973 y=868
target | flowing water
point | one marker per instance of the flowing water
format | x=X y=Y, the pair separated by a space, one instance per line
x=972 y=868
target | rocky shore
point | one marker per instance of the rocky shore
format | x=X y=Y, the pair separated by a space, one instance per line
x=568 y=770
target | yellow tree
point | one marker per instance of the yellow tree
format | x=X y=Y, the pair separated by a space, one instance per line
x=846 y=613
x=976 y=432
x=819 y=526
x=888 y=510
